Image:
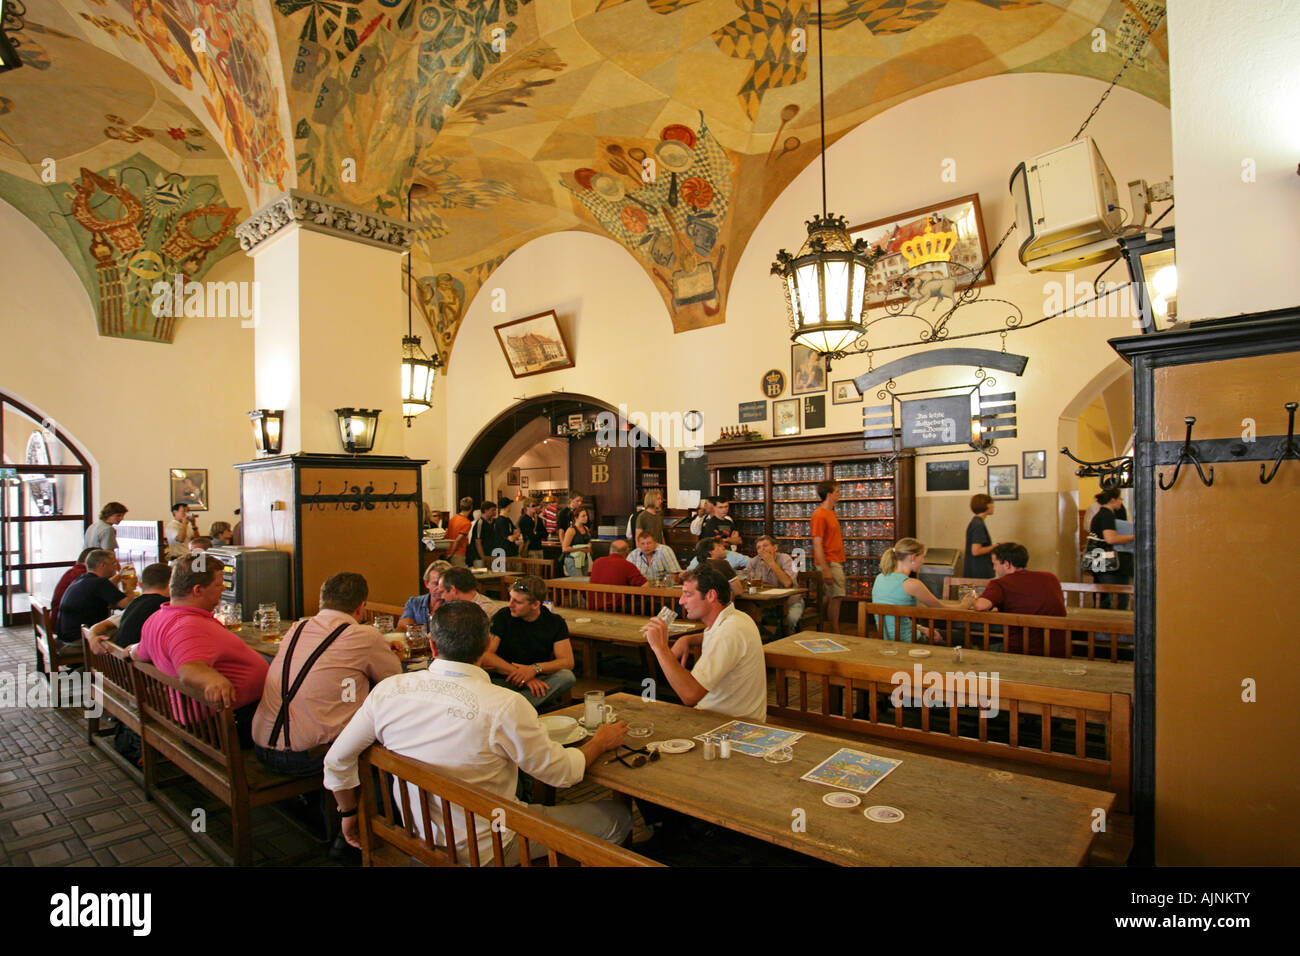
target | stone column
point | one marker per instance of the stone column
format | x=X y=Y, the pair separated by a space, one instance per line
x=330 y=317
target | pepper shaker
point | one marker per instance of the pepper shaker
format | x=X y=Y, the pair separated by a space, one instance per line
x=724 y=748
x=710 y=749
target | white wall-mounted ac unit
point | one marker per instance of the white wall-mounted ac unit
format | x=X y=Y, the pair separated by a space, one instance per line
x=1067 y=208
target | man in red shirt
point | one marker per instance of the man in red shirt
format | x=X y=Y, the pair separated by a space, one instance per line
x=74 y=572
x=182 y=639
x=614 y=568
x=458 y=532
x=828 y=552
x=1017 y=591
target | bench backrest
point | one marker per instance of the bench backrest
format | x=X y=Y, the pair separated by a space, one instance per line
x=613 y=598
x=375 y=608
x=380 y=822
x=183 y=714
x=41 y=627
x=114 y=664
x=1075 y=593
x=544 y=568
x=981 y=626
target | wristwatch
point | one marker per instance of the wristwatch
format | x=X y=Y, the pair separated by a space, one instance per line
x=537 y=670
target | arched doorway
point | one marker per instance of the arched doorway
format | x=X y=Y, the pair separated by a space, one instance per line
x=45 y=506
x=611 y=477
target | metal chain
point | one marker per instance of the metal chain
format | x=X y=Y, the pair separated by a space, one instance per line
x=1131 y=57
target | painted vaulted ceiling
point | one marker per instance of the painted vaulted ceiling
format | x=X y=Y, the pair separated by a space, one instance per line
x=142 y=131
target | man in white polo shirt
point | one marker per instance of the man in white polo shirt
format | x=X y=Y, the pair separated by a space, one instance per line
x=730 y=676
x=453 y=717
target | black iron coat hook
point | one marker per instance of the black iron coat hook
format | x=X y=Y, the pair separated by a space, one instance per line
x=1188 y=457
x=1290 y=449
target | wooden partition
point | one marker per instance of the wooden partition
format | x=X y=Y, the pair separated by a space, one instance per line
x=613 y=598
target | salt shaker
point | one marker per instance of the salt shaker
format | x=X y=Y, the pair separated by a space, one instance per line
x=710 y=749
x=724 y=748
x=956 y=654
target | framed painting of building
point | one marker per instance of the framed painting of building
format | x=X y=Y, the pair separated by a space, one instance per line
x=927 y=253
x=534 y=344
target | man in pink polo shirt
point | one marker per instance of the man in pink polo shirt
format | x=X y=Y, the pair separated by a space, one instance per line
x=182 y=639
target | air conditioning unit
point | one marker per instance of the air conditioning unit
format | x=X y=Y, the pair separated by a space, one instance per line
x=1067 y=208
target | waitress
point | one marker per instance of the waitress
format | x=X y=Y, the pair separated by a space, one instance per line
x=1103 y=526
x=577 y=539
x=979 y=545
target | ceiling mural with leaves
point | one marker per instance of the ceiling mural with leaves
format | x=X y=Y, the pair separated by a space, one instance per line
x=667 y=125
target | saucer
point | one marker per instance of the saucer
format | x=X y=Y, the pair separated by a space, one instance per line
x=841 y=799
x=918 y=652
x=579 y=733
x=879 y=814
x=678 y=745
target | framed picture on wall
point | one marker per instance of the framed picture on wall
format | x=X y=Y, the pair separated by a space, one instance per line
x=512 y=476
x=1033 y=464
x=534 y=344
x=1003 y=483
x=190 y=486
x=807 y=371
x=785 y=417
x=523 y=481
x=845 y=392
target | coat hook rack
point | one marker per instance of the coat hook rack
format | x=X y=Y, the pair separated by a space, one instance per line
x=1290 y=449
x=1188 y=457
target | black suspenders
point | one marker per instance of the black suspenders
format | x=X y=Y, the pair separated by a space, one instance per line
x=288 y=693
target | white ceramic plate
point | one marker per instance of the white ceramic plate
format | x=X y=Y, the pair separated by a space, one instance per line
x=841 y=799
x=579 y=733
x=678 y=745
x=918 y=652
x=879 y=814
x=582 y=620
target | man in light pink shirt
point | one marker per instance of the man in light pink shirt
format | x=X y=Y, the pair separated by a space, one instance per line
x=331 y=683
x=182 y=639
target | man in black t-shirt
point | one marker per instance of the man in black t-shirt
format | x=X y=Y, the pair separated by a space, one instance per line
x=721 y=525
x=124 y=629
x=92 y=597
x=532 y=528
x=507 y=534
x=483 y=535
x=530 y=649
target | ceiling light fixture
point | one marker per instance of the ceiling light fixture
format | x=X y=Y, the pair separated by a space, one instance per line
x=418 y=370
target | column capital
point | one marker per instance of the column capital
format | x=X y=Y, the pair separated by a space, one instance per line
x=329 y=216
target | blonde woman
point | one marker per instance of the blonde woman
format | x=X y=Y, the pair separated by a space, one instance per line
x=895 y=585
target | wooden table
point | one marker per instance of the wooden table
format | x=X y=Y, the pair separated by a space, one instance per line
x=955 y=814
x=588 y=628
x=1027 y=684
x=254 y=638
x=754 y=603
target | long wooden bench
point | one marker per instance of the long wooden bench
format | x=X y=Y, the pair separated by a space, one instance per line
x=851 y=690
x=611 y=598
x=205 y=745
x=115 y=688
x=1074 y=593
x=390 y=839
x=1084 y=634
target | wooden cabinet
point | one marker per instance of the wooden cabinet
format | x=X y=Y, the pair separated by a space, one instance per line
x=337 y=513
x=772 y=487
x=1215 y=724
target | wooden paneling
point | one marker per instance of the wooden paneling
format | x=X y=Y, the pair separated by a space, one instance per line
x=381 y=544
x=614 y=496
x=1227 y=788
x=262 y=491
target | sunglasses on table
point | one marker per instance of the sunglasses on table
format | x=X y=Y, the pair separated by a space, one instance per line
x=635 y=757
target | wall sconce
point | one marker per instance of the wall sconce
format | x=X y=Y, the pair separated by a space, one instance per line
x=268 y=430
x=1151 y=266
x=357 y=427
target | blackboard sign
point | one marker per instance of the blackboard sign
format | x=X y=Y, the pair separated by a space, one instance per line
x=693 y=471
x=936 y=421
x=947 y=476
x=753 y=412
x=814 y=412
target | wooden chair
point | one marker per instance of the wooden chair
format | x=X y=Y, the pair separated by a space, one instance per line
x=179 y=724
x=388 y=839
x=51 y=653
x=814 y=604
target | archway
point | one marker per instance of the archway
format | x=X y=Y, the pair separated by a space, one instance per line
x=612 y=481
x=1097 y=423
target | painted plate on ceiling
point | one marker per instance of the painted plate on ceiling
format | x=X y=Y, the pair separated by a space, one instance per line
x=674 y=156
x=679 y=133
x=608 y=187
x=584 y=177
x=634 y=219
x=697 y=192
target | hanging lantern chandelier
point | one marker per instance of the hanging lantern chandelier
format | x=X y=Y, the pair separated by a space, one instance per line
x=418 y=370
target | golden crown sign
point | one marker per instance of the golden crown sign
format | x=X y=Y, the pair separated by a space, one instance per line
x=930 y=247
x=599 y=452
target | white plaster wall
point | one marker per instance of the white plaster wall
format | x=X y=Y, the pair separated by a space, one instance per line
x=136 y=408
x=1235 y=86
x=620 y=333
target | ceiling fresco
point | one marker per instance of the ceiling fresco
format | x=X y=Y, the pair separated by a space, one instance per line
x=668 y=126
